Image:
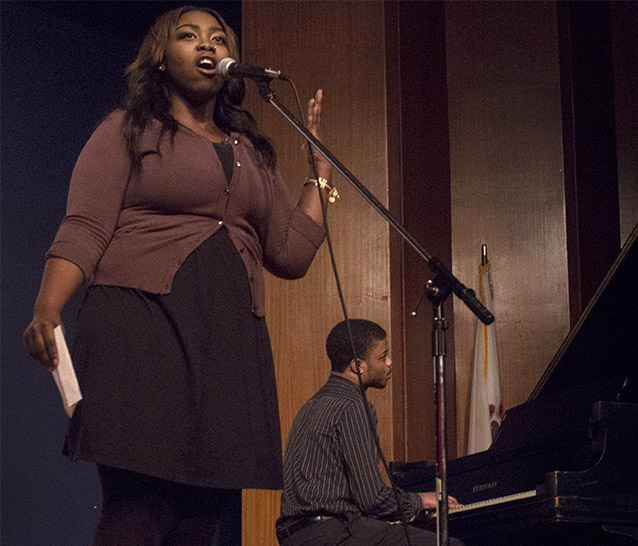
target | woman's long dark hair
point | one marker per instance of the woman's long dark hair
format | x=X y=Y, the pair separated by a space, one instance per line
x=148 y=95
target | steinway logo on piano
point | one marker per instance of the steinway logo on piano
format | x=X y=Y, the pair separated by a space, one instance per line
x=484 y=486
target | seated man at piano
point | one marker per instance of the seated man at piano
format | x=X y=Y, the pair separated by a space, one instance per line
x=334 y=493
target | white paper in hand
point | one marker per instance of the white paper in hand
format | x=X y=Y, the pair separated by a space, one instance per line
x=64 y=375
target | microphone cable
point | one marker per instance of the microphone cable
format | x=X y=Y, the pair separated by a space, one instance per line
x=335 y=271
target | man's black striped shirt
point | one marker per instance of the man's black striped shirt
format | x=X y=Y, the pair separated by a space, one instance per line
x=331 y=463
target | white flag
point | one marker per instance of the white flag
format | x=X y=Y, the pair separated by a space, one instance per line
x=486 y=410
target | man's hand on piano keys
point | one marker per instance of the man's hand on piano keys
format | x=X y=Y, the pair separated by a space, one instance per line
x=429 y=501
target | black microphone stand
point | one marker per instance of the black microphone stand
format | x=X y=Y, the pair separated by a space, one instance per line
x=438 y=290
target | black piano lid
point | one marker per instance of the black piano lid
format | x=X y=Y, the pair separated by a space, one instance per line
x=603 y=344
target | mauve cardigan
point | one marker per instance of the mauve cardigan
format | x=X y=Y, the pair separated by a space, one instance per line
x=137 y=232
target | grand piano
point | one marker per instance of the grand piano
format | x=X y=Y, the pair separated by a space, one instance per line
x=563 y=469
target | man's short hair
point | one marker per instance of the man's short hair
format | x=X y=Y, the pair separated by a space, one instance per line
x=339 y=348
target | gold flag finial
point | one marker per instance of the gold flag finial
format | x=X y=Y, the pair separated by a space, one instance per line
x=484 y=255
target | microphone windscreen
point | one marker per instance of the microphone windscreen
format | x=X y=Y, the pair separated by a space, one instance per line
x=224 y=66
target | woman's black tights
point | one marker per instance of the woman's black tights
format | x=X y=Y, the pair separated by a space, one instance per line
x=140 y=510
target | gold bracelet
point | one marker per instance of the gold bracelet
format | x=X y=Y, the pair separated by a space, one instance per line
x=333 y=194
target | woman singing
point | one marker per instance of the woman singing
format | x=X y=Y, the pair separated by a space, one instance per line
x=174 y=208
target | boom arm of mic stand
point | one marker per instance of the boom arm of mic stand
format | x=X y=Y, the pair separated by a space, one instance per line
x=466 y=295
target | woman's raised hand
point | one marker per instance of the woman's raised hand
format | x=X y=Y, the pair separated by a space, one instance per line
x=313 y=122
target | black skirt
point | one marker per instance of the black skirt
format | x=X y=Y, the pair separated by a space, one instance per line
x=179 y=386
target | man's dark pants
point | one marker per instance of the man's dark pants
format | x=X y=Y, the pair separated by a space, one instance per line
x=361 y=531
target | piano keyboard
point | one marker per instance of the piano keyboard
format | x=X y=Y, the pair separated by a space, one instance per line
x=480 y=504
x=491 y=502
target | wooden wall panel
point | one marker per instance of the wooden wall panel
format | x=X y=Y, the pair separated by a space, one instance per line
x=419 y=170
x=624 y=17
x=507 y=185
x=338 y=47
x=589 y=147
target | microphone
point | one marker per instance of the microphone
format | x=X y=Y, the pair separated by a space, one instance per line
x=230 y=68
